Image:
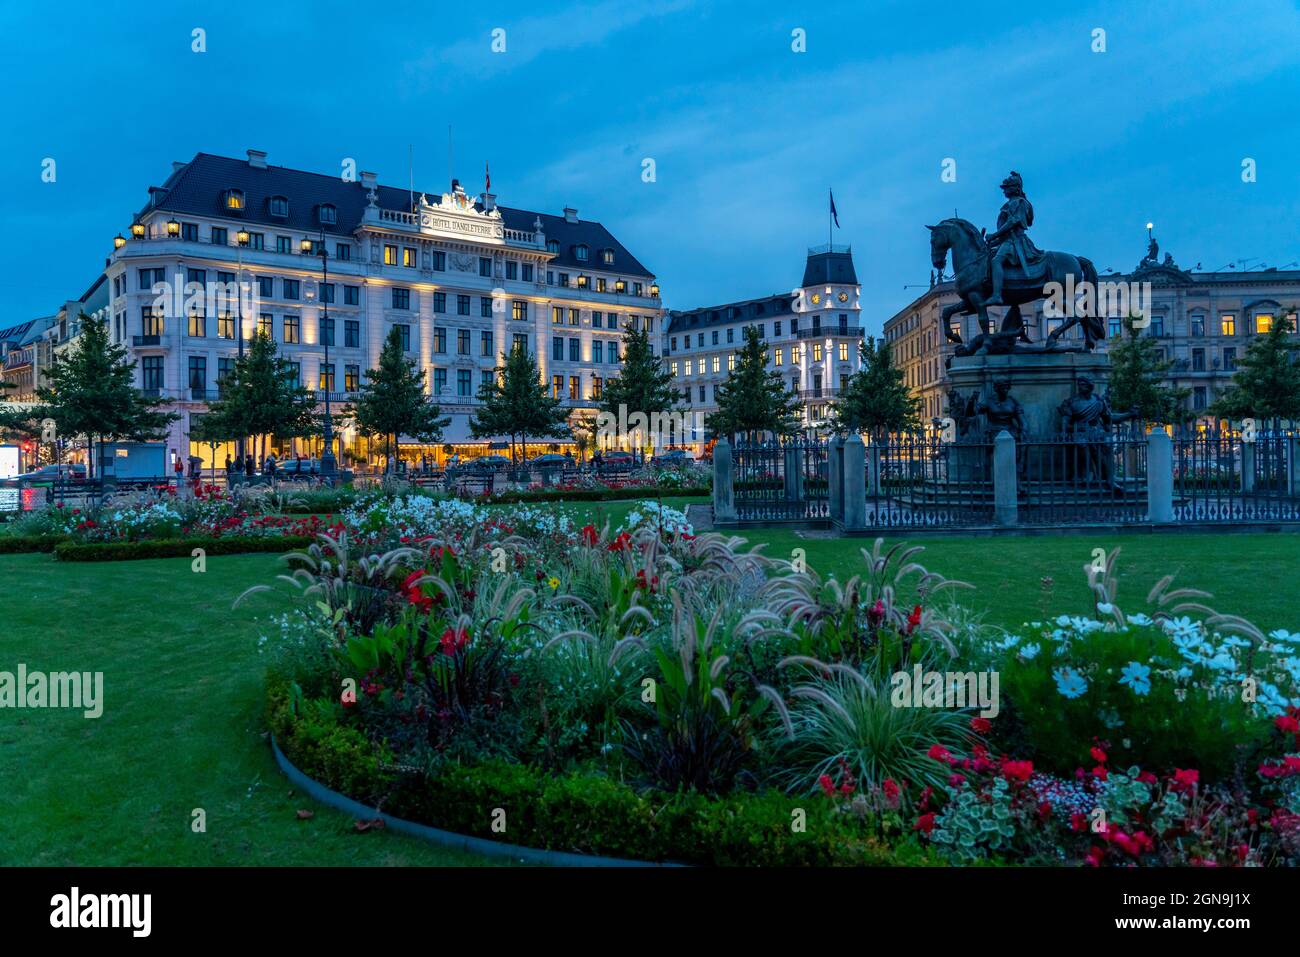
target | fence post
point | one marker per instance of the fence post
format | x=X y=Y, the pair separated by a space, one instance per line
x=1247 y=466
x=1292 y=465
x=1160 y=477
x=854 y=486
x=724 y=498
x=872 y=486
x=1005 y=493
x=835 y=478
x=792 y=466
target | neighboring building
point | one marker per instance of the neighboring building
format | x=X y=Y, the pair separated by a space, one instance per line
x=812 y=333
x=1203 y=320
x=463 y=279
x=23 y=353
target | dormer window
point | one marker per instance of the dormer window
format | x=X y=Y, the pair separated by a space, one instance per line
x=233 y=200
x=327 y=214
x=607 y=257
x=552 y=245
x=580 y=253
x=280 y=206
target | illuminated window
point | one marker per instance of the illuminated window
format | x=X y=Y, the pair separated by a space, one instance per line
x=233 y=199
x=1263 y=322
x=410 y=257
x=731 y=361
x=557 y=315
x=796 y=354
x=1228 y=324
x=673 y=368
x=817 y=352
x=390 y=255
x=844 y=352
x=717 y=364
x=778 y=356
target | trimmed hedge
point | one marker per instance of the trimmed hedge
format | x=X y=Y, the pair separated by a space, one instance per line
x=20 y=544
x=578 y=812
x=69 y=551
x=593 y=494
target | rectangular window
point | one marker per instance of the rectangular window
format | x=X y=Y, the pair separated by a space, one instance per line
x=573 y=317
x=440 y=340
x=439 y=381
x=485 y=266
x=190 y=232
x=557 y=315
x=817 y=352
x=390 y=255
x=225 y=326
x=284 y=244
x=527 y=272
x=613 y=352
x=404 y=331
x=597 y=351
x=225 y=367
x=462 y=342
x=198 y=325
x=1228 y=324
x=151 y=373
x=1263 y=322
x=326 y=377
x=439 y=302
x=352 y=333
x=401 y=298
x=327 y=293
x=485 y=307
x=219 y=236
x=462 y=305
x=575 y=387
x=1198 y=325
x=266 y=325
x=557 y=348
x=1198 y=360
x=1200 y=398
x=519 y=309
x=439 y=260
x=717 y=364
x=291 y=288
x=256 y=241
x=292 y=329
x=343 y=251
x=575 y=350
x=844 y=352
x=351 y=295
x=410 y=257
x=485 y=343
x=557 y=386
x=600 y=284
x=293 y=375
x=512 y=269
x=351 y=378
x=597 y=386
x=326 y=332
x=198 y=375
x=1229 y=359
x=731 y=361
x=464 y=383
x=266 y=287
x=520 y=341
x=564 y=279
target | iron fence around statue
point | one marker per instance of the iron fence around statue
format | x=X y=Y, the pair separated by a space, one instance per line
x=1221 y=477
x=1082 y=478
x=781 y=480
x=918 y=481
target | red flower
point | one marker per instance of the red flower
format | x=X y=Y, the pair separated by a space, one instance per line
x=914 y=619
x=1146 y=777
x=891 y=791
x=1185 y=779
x=924 y=823
x=827 y=785
x=1098 y=755
x=981 y=725
x=1287 y=723
x=1017 y=770
x=589 y=535
x=1078 y=822
x=939 y=753
x=454 y=639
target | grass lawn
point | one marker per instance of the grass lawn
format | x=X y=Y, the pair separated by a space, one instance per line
x=181 y=727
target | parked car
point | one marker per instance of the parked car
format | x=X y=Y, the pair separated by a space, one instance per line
x=673 y=457
x=551 y=459
x=292 y=468
x=489 y=462
x=620 y=458
x=53 y=473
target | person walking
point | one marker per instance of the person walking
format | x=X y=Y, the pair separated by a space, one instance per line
x=230 y=468
x=250 y=465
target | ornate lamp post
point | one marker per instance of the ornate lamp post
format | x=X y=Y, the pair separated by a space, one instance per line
x=241 y=238
x=328 y=464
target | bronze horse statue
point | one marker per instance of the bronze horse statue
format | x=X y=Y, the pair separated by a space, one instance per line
x=970 y=264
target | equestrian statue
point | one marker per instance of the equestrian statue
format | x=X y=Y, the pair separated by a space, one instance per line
x=1006 y=268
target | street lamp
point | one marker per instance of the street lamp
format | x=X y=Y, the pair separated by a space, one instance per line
x=119 y=241
x=173 y=228
x=241 y=238
x=328 y=464
x=137 y=230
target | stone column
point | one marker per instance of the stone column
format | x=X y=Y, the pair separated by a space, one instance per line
x=724 y=499
x=1160 y=477
x=855 y=482
x=872 y=478
x=1004 y=480
x=835 y=478
x=1293 y=465
x=1247 y=466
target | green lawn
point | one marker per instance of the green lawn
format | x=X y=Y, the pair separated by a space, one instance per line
x=181 y=727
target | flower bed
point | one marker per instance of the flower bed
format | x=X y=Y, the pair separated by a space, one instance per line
x=647 y=692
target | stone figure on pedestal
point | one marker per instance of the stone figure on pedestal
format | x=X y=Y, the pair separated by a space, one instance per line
x=1003 y=411
x=1086 y=419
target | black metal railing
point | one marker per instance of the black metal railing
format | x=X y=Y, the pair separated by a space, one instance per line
x=1228 y=477
x=781 y=480
x=1082 y=478
x=920 y=481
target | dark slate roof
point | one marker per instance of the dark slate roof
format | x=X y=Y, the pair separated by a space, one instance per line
x=197 y=187
x=829 y=267
x=746 y=310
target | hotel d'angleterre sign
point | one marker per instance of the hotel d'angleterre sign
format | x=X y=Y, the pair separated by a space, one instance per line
x=455 y=215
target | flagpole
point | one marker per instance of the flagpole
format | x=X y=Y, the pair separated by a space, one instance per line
x=830 y=196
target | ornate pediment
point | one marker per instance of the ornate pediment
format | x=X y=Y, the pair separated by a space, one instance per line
x=455 y=215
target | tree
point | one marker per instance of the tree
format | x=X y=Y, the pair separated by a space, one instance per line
x=90 y=391
x=642 y=385
x=876 y=399
x=259 y=397
x=393 y=402
x=1137 y=379
x=1267 y=382
x=516 y=404
x=754 y=398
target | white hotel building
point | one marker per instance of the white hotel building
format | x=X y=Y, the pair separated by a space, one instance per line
x=812 y=335
x=464 y=279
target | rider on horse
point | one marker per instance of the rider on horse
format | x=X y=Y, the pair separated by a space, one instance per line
x=1010 y=244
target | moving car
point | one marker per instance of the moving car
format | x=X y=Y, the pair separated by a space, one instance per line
x=53 y=473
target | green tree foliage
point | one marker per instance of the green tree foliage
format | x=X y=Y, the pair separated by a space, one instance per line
x=1267 y=382
x=755 y=399
x=259 y=398
x=875 y=399
x=90 y=392
x=393 y=403
x=516 y=404
x=1137 y=379
x=643 y=384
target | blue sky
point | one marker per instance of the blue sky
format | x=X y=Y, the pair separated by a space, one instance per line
x=745 y=133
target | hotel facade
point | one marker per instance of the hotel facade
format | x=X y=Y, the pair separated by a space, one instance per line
x=1202 y=321
x=812 y=334
x=461 y=278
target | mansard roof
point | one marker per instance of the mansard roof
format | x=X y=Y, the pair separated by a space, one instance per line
x=197 y=188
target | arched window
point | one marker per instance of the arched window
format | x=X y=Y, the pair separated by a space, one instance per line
x=580 y=253
x=280 y=206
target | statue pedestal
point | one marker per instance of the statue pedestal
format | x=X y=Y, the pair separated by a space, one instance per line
x=1040 y=381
